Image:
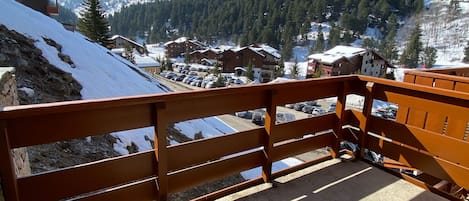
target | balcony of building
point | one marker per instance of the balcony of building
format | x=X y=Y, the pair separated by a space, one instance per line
x=429 y=134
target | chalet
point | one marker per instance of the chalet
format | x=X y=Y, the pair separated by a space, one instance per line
x=345 y=60
x=264 y=59
x=148 y=64
x=182 y=45
x=47 y=7
x=119 y=41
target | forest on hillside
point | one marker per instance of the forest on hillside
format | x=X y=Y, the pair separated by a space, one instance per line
x=275 y=22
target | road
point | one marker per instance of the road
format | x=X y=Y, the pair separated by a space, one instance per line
x=241 y=124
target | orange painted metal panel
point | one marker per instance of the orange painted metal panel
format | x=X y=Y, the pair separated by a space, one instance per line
x=425 y=101
x=461 y=86
x=197 y=175
x=142 y=191
x=427 y=81
x=432 y=165
x=196 y=152
x=302 y=145
x=90 y=177
x=409 y=78
x=416 y=118
x=295 y=129
x=446 y=148
x=456 y=127
x=444 y=84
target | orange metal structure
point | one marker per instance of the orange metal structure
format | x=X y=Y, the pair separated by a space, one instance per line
x=151 y=175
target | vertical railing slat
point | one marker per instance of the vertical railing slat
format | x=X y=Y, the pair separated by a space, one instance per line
x=7 y=169
x=339 y=111
x=367 y=107
x=161 y=125
x=270 y=118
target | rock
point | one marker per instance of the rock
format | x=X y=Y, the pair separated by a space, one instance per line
x=65 y=58
x=53 y=44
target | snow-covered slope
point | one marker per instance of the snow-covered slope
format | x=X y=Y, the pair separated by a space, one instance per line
x=101 y=73
x=442 y=29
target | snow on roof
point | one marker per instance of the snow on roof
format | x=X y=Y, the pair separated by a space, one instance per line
x=127 y=39
x=145 y=61
x=337 y=53
x=181 y=40
x=118 y=50
x=156 y=51
x=270 y=50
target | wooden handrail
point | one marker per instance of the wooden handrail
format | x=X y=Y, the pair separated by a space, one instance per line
x=167 y=167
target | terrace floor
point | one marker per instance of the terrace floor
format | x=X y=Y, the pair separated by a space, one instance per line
x=336 y=180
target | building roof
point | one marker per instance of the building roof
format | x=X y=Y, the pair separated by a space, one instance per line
x=127 y=39
x=184 y=40
x=145 y=61
x=337 y=53
x=267 y=49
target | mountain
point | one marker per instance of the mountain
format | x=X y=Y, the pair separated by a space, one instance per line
x=109 y=6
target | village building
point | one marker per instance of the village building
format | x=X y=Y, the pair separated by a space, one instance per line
x=47 y=7
x=345 y=60
x=263 y=59
x=181 y=46
x=147 y=64
x=119 y=41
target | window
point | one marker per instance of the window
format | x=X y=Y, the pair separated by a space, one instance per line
x=53 y=7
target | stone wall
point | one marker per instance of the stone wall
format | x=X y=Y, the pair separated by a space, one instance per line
x=9 y=97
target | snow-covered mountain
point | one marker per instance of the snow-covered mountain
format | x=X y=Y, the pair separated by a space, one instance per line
x=109 y=6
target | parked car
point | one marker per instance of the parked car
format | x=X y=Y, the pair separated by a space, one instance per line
x=258 y=118
x=299 y=106
x=244 y=114
x=290 y=106
x=308 y=109
x=170 y=75
x=180 y=77
x=318 y=111
x=332 y=107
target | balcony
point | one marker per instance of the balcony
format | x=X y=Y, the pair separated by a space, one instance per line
x=429 y=134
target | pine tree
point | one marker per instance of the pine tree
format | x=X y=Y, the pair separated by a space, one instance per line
x=388 y=47
x=128 y=53
x=319 y=46
x=410 y=56
x=93 y=23
x=334 y=37
x=280 y=70
x=466 y=53
x=250 y=71
x=429 y=56
x=294 y=70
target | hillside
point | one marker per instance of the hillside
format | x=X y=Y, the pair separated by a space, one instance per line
x=97 y=72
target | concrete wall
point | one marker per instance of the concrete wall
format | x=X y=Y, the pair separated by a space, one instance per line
x=9 y=97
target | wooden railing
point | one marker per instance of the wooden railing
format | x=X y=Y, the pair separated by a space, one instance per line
x=168 y=169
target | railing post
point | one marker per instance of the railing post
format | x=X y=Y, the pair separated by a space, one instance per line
x=270 y=118
x=367 y=107
x=7 y=169
x=339 y=111
x=161 y=124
